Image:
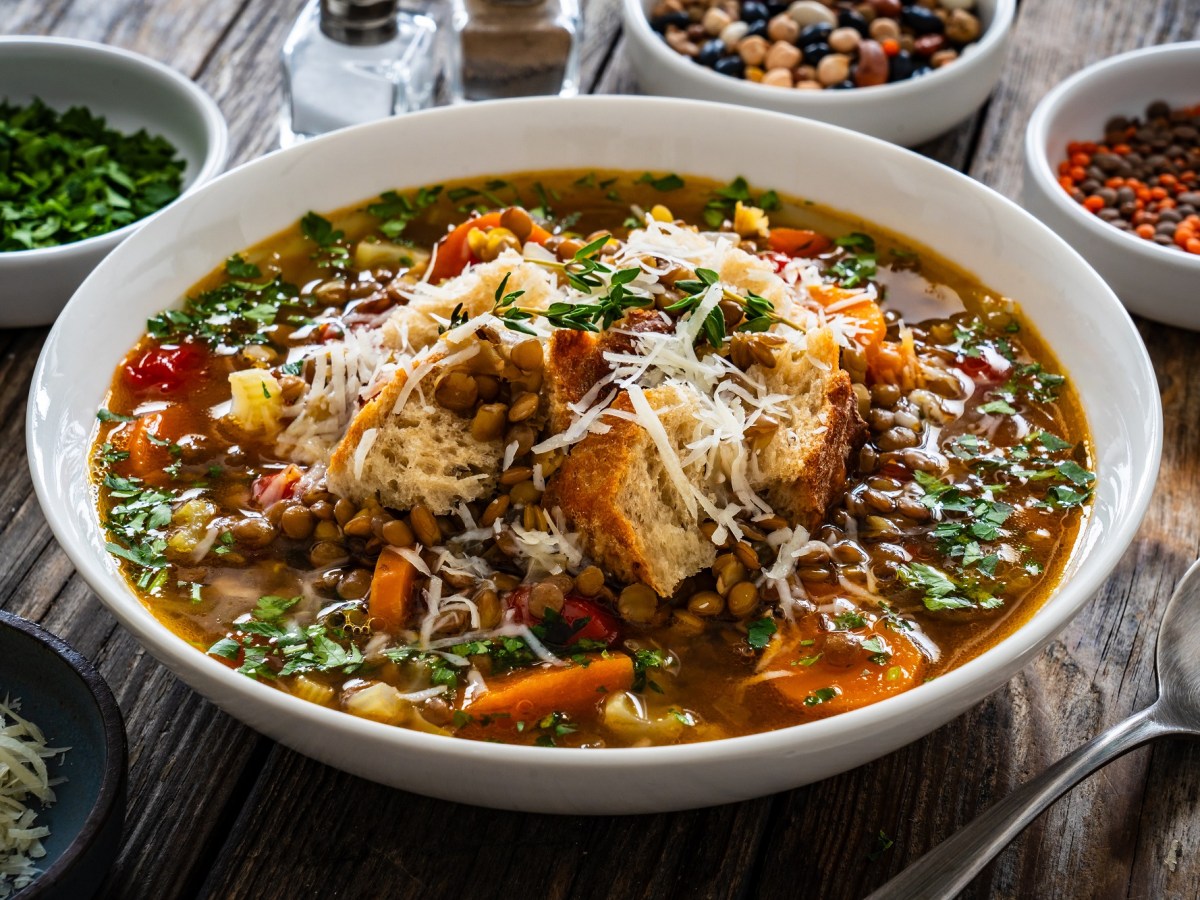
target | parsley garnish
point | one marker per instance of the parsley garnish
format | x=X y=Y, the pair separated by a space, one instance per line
x=758 y=632
x=858 y=265
x=234 y=314
x=331 y=252
x=723 y=202
x=270 y=646
x=821 y=695
x=67 y=176
x=664 y=183
x=397 y=211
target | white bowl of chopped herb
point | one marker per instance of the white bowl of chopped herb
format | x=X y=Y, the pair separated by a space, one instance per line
x=94 y=141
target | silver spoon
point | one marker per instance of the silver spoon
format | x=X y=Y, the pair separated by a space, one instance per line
x=946 y=869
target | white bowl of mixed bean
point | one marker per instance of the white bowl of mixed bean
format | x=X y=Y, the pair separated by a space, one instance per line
x=477 y=638
x=786 y=63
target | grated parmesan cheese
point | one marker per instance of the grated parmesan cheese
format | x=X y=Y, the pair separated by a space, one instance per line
x=23 y=775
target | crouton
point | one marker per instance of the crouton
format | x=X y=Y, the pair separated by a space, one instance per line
x=417 y=454
x=575 y=360
x=803 y=468
x=615 y=491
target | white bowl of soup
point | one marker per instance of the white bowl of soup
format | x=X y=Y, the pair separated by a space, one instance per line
x=589 y=482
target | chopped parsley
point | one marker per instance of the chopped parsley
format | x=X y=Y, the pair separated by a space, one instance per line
x=663 y=183
x=67 y=176
x=137 y=522
x=270 y=646
x=234 y=314
x=858 y=265
x=821 y=695
x=331 y=251
x=396 y=211
x=723 y=202
x=759 y=632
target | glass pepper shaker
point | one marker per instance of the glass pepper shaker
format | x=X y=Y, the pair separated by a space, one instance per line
x=513 y=48
x=351 y=61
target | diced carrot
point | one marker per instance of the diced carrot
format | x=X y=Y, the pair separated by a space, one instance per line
x=150 y=441
x=797 y=242
x=866 y=312
x=573 y=689
x=392 y=589
x=453 y=252
x=819 y=689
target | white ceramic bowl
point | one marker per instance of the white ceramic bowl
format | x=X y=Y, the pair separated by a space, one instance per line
x=1008 y=249
x=904 y=112
x=131 y=92
x=1160 y=283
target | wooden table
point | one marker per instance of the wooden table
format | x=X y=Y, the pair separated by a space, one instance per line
x=216 y=810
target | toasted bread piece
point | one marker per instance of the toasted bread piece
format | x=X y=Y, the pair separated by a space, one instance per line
x=614 y=489
x=419 y=454
x=414 y=326
x=575 y=361
x=803 y=468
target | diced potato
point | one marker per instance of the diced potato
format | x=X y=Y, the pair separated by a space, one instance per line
x=372 y=253
x=628 y=716
x=380 y=702
x=750 y=221
x=191 y=524
x=312 y=690
x=257 y=400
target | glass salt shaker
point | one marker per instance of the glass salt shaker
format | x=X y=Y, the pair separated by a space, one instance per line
x=351 y=61
x=513 y=48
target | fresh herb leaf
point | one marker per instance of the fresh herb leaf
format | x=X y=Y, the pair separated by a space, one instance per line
x=759 y=632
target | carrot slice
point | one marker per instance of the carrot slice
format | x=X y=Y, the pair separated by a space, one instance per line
x=453 y=252
x=820 y=689
x=392 y=589
x=798 y=242
x=150 y=441
x=872 y=326
x=573 y=689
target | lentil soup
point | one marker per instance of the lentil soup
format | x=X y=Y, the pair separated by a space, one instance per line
x=591 y=459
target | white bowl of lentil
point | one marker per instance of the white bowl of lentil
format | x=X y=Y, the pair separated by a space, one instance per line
x=131 y=93
x=1063 y=298
x=905 y=112
x=1158 y=282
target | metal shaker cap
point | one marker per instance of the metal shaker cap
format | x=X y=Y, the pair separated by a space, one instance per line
x=359 y=22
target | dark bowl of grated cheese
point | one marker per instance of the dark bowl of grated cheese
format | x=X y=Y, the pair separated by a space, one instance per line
x=62 y=768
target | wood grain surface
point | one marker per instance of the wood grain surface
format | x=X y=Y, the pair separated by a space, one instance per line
x=216 y=810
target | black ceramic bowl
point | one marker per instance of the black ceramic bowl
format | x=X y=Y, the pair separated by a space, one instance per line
x=66 y=698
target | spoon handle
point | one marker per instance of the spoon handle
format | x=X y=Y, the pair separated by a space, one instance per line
x=946 y=869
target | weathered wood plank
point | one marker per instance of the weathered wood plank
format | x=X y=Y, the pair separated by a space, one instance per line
x=426 y=848
x=176 y=33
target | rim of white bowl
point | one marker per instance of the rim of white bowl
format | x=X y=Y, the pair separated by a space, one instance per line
x=215 y=127
x=1047 y=620
x=1002 y=20
x=1043 y=170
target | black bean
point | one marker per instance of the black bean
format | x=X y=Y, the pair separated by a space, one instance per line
x=758 y=29
x=817 y=33
x=842 y=85
x=730 y=65
x=848 y=18
x=754 y=11
x=679 y=19
x=900 y=66
x=710 y=52
x=814 y=53
x=922 y=21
